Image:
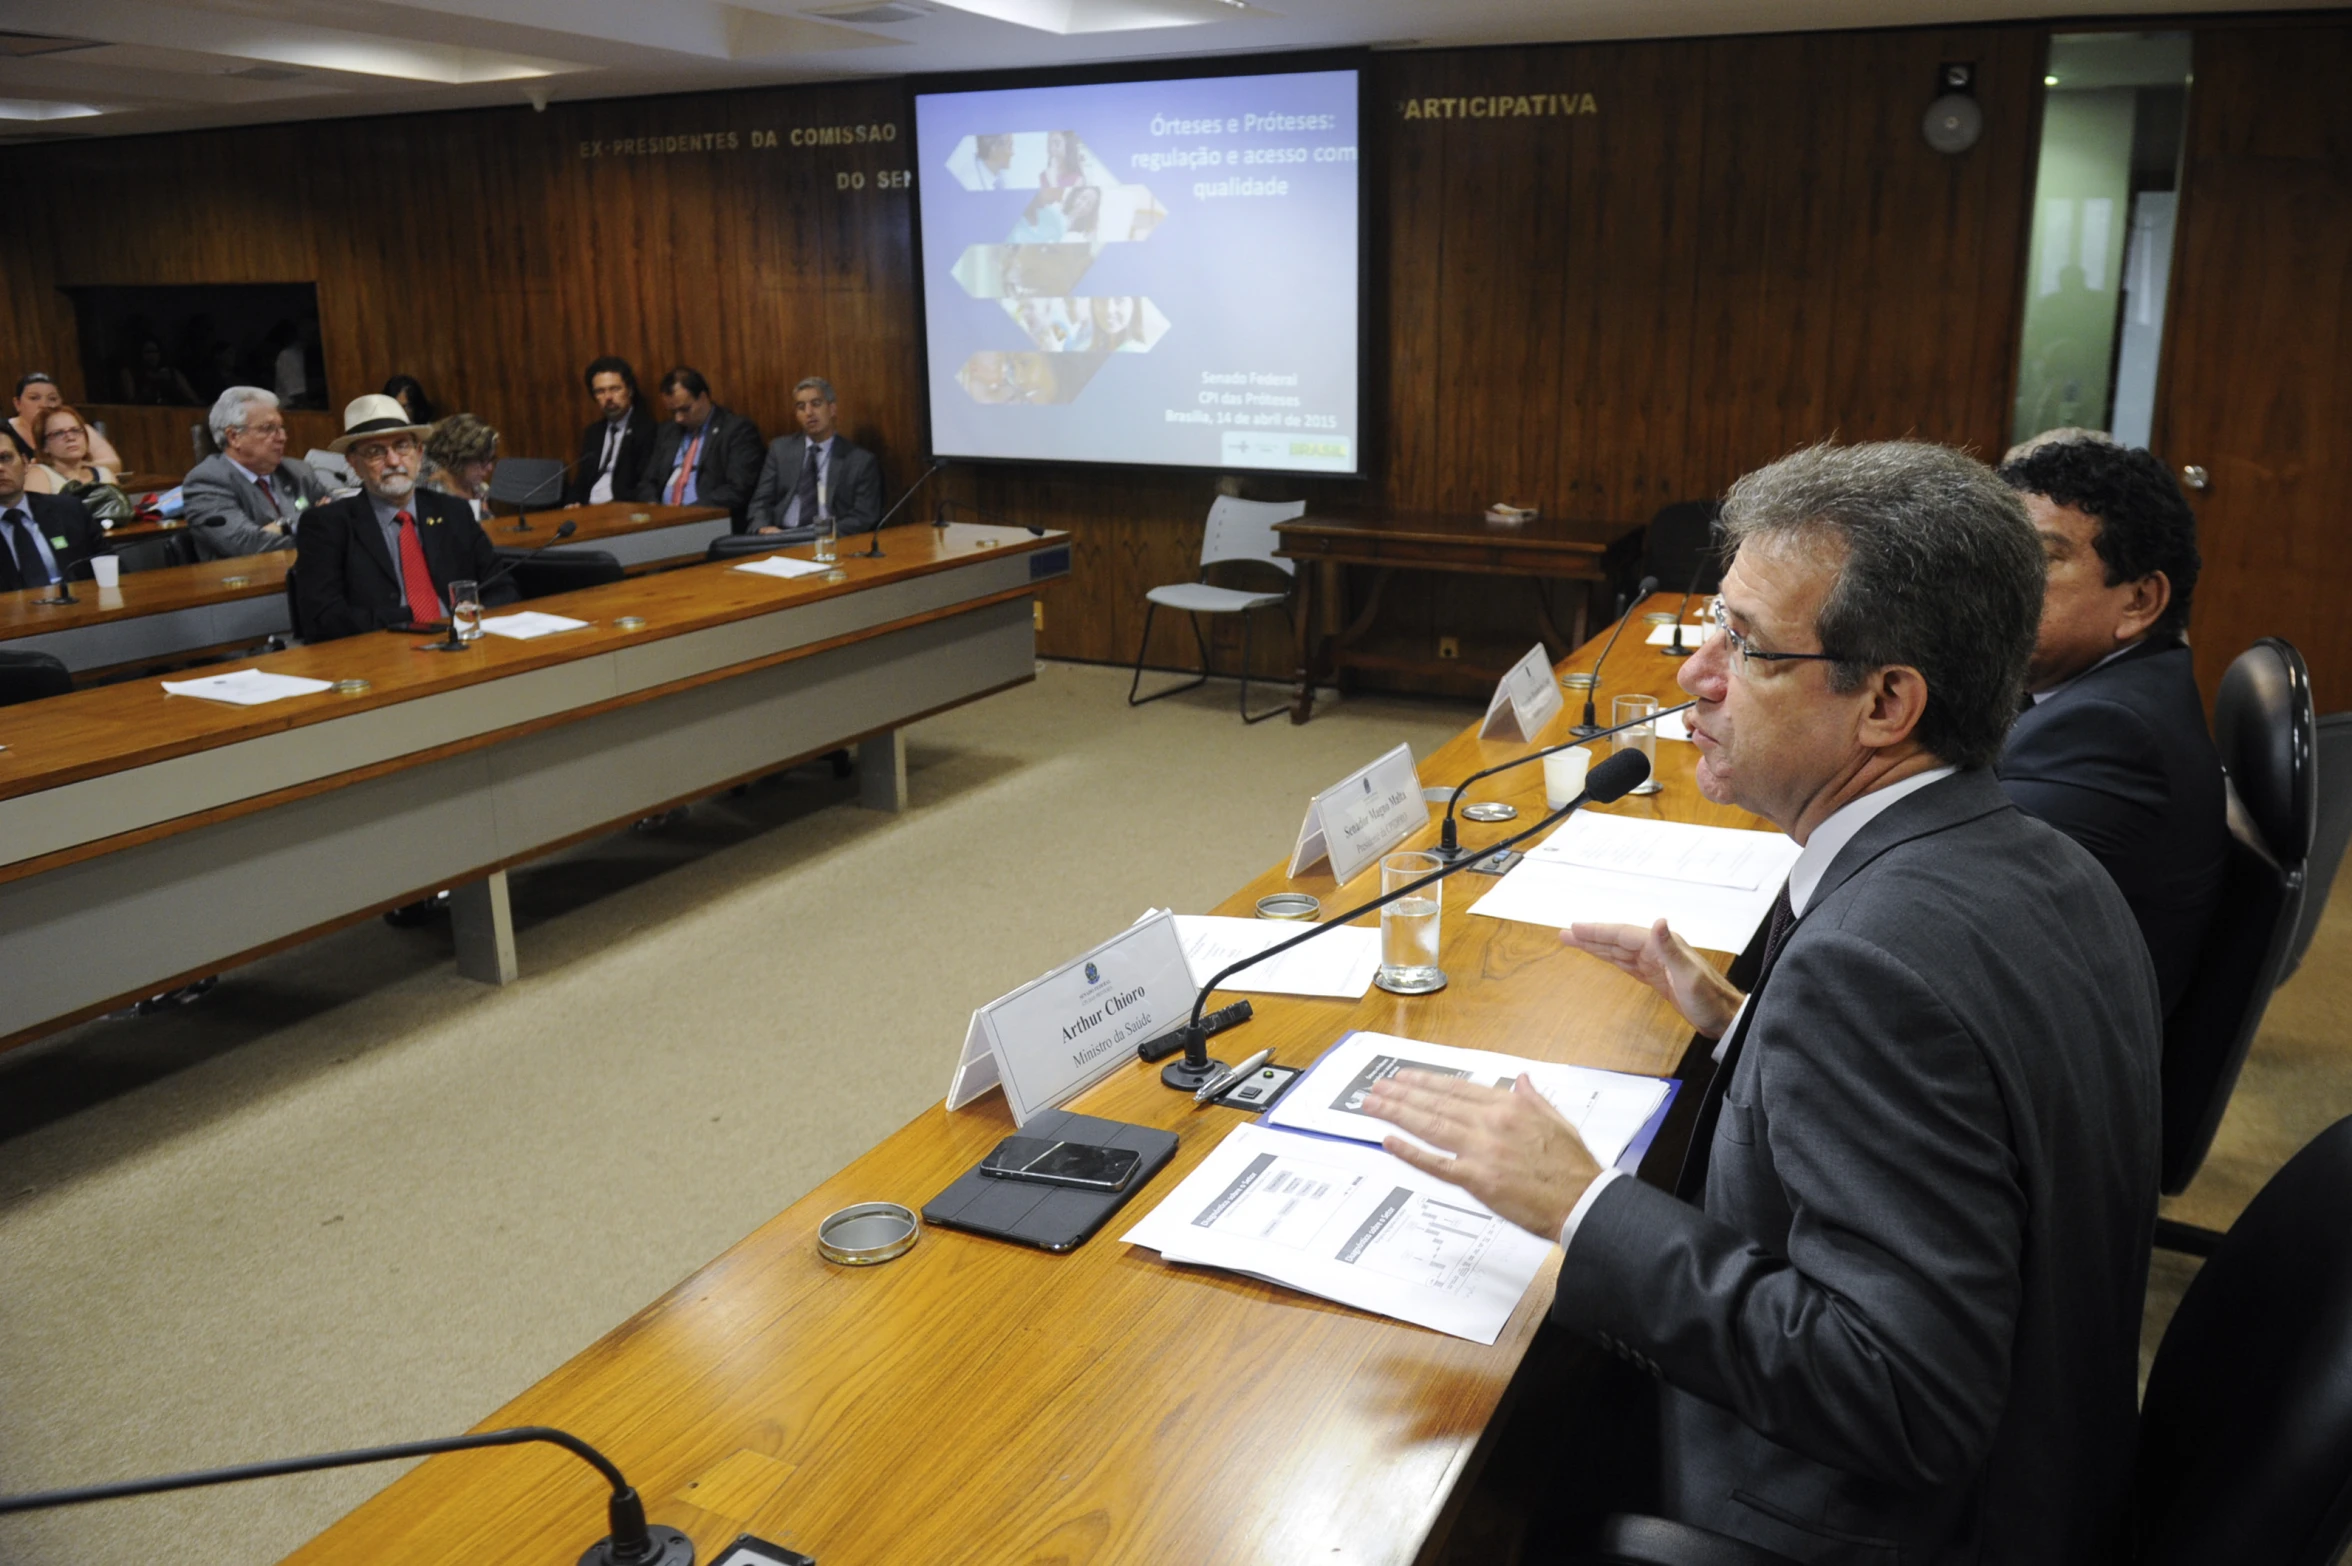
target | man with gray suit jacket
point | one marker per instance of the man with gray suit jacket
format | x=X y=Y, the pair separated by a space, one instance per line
x=247 y=498
x=1896 y=1304
x=817 y=469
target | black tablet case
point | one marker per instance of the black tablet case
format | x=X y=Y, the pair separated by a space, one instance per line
x=1050 y=1217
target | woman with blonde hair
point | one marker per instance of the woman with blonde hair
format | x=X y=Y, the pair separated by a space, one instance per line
x=461 y=456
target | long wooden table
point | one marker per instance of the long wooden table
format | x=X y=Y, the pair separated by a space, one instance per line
x=1389 y=542
x=978 y=1402
x=220 y=832
x=222 y=605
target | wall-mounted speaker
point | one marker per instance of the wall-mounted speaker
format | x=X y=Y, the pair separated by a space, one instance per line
x=1953 y=122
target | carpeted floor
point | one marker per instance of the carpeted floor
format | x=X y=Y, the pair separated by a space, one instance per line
x=350 y=1197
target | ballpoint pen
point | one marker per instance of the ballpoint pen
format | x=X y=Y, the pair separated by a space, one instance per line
x=1216 y=1085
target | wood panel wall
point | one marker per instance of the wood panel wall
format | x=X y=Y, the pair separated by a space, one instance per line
x=1745 y=247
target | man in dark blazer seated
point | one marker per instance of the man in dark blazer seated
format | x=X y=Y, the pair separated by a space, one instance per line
x=2114 y=751
x=44 y=539
x=1896 y=1309
x=615 y=446
x=705 y=456
x=386 y=556
x=817 y=469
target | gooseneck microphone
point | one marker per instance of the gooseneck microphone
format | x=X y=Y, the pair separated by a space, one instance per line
x=1590 y=728
x=1608 y=782
x=875 y=552
x=632 y=1542
x=451 y=643
x=1675 y=649
x=1449 y=850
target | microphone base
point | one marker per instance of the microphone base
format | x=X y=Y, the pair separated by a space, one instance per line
x=1585 y=730
x=445 y=647
x=1446 y=856
x=1672 y=651
x=1189 y=1079
x=670 y=1548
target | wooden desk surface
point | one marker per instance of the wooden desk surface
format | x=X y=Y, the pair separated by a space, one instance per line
x=257 y=576
x=108 y=728
x=978 y=1402
x=1322 y=533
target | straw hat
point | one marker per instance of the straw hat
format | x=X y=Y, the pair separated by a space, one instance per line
x=372 y=415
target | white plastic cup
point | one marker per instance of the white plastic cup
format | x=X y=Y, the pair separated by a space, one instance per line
x=106 y=571
x=1564 y=774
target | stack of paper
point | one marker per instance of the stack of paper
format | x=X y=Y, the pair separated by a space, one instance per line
x=1714 y=885
x=1339 y=964
x=527 y=623
x=1347 y=1222
x=1692 y=635
x=247 y=687
x=783 y=565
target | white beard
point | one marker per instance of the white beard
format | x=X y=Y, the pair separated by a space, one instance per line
x=393 y=486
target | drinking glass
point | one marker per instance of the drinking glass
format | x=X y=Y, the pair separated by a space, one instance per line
x=828 y=532
x=1408 y=927
x=1634 y=709
x=465 y=610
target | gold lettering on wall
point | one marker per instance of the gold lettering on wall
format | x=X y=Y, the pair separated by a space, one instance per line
x=734 y=141
x=1499 y=106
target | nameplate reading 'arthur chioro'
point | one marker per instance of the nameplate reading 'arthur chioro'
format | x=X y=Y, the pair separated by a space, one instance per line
x=1056 y=1035
x=1361 y=817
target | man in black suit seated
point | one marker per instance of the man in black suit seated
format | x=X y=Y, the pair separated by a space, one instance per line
x=44 y=539
x=615 y=447
x=1896 y=1304
x=386 y=556
x=705 y=455
x=2114 y=751
x=817 y=469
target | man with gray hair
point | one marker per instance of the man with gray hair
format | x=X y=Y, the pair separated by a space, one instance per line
x=1895 y=1301
x=247 y=498
x=817 y=472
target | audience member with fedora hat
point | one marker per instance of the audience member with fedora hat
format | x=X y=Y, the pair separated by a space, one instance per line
x=385 y=556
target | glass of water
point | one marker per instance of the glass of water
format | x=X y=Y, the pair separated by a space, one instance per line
x=1408 y=927
x=1644 y=738
x=465 y=610
x=828 y=533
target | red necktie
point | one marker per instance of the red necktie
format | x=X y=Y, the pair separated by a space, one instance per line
x=271 y=495
x=415 y=576
x=685 y=470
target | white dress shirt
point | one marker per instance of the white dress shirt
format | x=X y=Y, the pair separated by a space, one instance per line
x=601 y=491
x=1820 y=851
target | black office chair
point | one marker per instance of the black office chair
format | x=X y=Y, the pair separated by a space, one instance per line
x=294 y=609
x=2334 y=832
x=155 y=554
x=541 y=573
x=2265 y=730
x=529 y=483
x=2246 y=1431
x=29 y=676
x=743 y=546
x=1680 y=547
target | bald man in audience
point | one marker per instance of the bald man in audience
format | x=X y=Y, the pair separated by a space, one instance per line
x=2113 y=749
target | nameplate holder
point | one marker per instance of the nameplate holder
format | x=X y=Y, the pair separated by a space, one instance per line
x=1364 y=815
x=1058 y=1035
x=1525 y=699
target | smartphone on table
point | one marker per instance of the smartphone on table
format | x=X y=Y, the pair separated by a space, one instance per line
x=1048 y=1162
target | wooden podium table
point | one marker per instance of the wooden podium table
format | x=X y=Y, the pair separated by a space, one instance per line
x=218 y=606
x=1391 y=542
x=220 y=832
x=978 y=1402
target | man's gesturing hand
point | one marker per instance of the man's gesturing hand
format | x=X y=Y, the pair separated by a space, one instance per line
x=1666 y=963
x=1512 y=1150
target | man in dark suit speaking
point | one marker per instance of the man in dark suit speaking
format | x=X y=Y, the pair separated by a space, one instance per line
x=386 y=556
x=817 y=471
x=2114 y=751
x=1897 y=1308
x=44 y=539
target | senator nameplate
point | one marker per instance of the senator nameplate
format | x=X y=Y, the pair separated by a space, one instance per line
x=1525 y=699
x=1057 y=1035
x=1361 y=817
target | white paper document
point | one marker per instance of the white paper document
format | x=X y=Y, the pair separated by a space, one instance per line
x=1608 y=1108
x=525 y=624
x=247 y=687
x=1670 y=726
x=1692 y=635
x=1549 y=887
x=1340 y=964
x=783 y=565
x=1347 y=1222
x=1672 y=850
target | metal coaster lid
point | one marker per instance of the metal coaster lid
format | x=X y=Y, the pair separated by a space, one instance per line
x=630 y=622
x=868 y=1234
x=352 y=687
x=1659 y=617
x=1289 y=905
x=1490 y=810
x=1576 y=682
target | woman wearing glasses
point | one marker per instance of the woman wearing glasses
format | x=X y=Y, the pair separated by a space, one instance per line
x=68 y=468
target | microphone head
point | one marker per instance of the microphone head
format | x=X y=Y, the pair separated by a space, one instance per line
x=564 y=532
x=1649 y=585
x=1611 y=780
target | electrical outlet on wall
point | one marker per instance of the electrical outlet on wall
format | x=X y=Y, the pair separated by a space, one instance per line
x=1449 y=647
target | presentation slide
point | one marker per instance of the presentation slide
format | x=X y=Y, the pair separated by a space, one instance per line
x=1158 y=272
